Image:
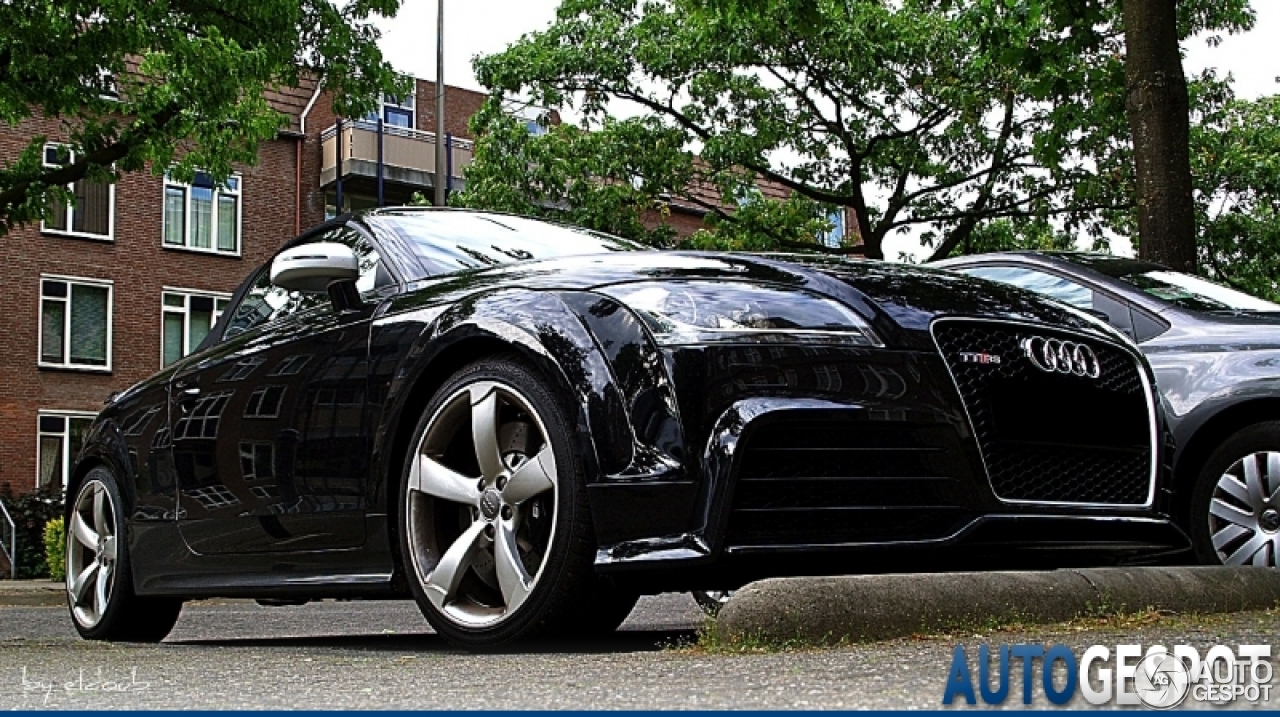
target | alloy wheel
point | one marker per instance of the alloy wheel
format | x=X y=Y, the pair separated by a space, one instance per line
x=92 y=550
x=1244 y=511
x=482 y=504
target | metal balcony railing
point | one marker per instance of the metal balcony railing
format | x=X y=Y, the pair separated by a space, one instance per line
x=408 y=155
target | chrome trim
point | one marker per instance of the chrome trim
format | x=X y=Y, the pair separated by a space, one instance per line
x=1153 y=417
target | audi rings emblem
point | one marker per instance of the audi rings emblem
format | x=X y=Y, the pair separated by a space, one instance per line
x=1057 y=356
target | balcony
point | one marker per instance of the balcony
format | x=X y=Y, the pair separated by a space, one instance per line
x=408 y=158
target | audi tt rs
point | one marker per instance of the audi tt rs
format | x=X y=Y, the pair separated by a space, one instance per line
x=523 y=427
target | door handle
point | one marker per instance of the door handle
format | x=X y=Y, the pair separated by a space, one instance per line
x=188 y=392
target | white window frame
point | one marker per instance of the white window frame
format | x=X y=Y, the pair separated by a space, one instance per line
x=67 y=458
x=409 y=104
x=187 y=295
x=66 y=320
x=110 y=236
x=186 y=217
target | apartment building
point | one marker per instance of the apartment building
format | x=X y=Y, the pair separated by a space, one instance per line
x=133 y=275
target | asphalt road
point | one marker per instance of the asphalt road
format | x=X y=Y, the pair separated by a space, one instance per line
x=382 y=656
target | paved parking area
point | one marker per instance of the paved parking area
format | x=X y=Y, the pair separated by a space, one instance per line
x=382 y=656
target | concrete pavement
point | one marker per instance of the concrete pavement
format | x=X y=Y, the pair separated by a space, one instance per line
x=381 y=655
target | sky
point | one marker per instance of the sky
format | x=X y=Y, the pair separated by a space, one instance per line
x=481 y=27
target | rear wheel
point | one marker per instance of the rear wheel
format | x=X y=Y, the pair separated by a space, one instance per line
x=1235 y=506
x=495 y=532
x=100 y=573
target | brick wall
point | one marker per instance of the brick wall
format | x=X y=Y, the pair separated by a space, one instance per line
x=139 y=267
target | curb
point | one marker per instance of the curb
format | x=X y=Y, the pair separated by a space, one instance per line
x=880 y=607
x=32 y=593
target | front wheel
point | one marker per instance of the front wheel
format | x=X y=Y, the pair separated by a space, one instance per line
x=1235 y=506
x=494 y=526
x=100 y=573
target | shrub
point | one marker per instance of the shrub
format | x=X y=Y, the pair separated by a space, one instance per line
x=31 y=512
x=55 y=549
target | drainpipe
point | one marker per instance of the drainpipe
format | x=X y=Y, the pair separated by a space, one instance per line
x=379 y=161
x=337 y=210
x=302 y=128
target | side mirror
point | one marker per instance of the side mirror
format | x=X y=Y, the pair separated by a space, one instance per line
x=312 y=268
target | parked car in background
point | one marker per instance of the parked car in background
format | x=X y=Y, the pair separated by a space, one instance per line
x=1216 y=355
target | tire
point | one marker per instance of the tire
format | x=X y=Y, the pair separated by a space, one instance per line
x=494 y=529
x=1235 y=505
x=608 y=609
x=99 y=578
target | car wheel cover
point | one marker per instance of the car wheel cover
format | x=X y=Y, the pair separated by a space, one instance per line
x=92 y=550
x=1244 y=511
x=479 y=572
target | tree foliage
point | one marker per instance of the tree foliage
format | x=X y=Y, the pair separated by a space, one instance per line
x=1235 y=161
x=621 y=177
x=189 y=76
x=932 y=117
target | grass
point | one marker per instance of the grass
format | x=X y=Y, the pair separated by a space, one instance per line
x=709 y=640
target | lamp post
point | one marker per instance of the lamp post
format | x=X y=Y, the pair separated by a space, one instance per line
x=441 y=175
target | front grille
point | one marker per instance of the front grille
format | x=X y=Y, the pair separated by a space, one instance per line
x=825 y=482
x=1052 y=437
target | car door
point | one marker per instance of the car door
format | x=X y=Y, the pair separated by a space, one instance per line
x=269 y=441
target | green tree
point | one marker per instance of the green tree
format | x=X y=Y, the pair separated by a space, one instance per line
x=1235 y=161
x=188 y=78
x=620 y=177
x=925 y=116
x=918 y=116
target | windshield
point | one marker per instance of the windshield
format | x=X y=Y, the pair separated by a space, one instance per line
x=448 y=241
x=1192 y=292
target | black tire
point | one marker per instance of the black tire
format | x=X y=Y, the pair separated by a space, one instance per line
x=562 y=599
x=1228 y=459
x=127 y=616
x=609 y=608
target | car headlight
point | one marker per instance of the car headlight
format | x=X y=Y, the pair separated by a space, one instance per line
x=697 y=312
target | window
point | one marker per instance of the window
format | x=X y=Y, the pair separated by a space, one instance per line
x=454 y=241
x=187 y=317
x=264 y=302
x=75 y=323
x=835 y=237
x=61 y=437
x=91 y=215
x=264 y=402
x=201 y=216
x=1103 y=306
x=205 y=417
x=395 y=111
x=1055 y=287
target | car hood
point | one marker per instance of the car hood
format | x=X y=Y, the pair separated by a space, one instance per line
x=900 y=300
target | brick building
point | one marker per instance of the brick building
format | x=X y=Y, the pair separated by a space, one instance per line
x=132 y=277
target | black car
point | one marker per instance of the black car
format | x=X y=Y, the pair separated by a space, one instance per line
x=1216 y=355
x=524 y=427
